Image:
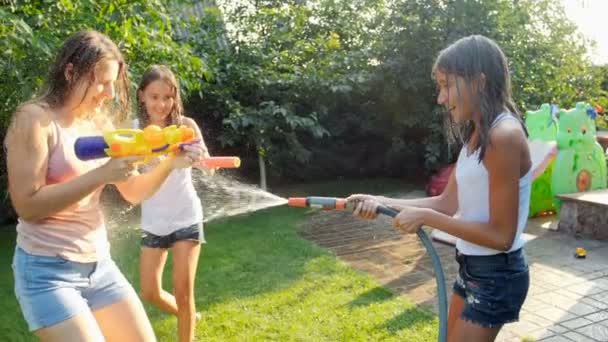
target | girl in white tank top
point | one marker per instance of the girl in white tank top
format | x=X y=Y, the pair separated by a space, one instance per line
x=171 y=218
x=489 y=188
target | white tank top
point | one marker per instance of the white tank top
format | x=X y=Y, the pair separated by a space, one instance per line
x=174 y=206
x=474 y=197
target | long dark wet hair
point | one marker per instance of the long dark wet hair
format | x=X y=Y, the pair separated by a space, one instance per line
x=470 y=58
x=84 y=50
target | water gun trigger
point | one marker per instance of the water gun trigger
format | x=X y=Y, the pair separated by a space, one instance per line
x=188 y=143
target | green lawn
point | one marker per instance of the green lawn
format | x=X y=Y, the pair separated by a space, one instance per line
x=258 y=280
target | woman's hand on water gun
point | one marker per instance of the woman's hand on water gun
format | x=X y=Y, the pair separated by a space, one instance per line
x=154 y=161
x=190 y=156
x=410 y=219
x=207 y=171
x=366 y=206
x=118 y=170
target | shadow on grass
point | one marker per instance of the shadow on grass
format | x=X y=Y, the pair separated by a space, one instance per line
x=408 y=319
x=375 y=295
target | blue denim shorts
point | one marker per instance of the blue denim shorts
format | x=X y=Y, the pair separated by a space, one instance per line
x=192 y=233
x=494 y=287
x=52 y=289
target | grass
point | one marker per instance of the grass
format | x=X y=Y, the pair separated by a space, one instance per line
x=12 y=326
x=258 y=280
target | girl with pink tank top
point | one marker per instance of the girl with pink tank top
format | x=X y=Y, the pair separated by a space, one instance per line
x=172 y=217
x=489 y=188
x=67 y=285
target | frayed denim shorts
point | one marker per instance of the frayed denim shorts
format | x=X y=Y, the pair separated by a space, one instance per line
x=494 y=287
x=52 y=289
x=194 y=232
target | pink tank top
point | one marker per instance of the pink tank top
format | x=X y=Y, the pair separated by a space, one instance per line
x=78 y=232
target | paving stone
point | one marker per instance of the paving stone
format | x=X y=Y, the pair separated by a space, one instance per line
x=598 y=316
x=538 y=320
x=596 y=331
x=594 y=302
x=602 y=297
x=533 y=304
x=557 y=338
x=522 y=328
x=540 y=334
x=601 y=282
x=556 y=315
x=576 y=323
x=568 y=294
x=586 y=289
x=574 y=336
x=558 y=329
x=556 y=300
x=536 y=290
x=506 y=336
x=581 y=309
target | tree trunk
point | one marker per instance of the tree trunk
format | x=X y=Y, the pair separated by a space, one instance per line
x=262 y=163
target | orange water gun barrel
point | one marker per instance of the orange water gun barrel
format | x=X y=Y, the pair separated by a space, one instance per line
x=221 y=162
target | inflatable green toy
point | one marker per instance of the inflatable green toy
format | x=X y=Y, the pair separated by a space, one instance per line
x=581 y=163
x=542 y=129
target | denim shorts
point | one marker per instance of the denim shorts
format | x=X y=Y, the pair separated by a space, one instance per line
x=52 y=289
x=192 y=233
x=494 y=287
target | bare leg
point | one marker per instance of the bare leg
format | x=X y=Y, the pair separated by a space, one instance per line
x=151 y=266
x=456 y=307
x=466 y=331
x=460 y=330
x=185 y=262
x=125 y=321
x=80 y=328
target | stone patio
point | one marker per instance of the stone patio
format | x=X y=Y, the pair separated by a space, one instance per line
x=568 y=297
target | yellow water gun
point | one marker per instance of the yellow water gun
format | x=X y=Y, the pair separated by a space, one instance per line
x=150 y=142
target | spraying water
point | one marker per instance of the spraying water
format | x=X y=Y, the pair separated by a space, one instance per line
x=223 y=196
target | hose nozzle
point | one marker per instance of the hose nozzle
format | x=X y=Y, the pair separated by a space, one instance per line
x=326 y=203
